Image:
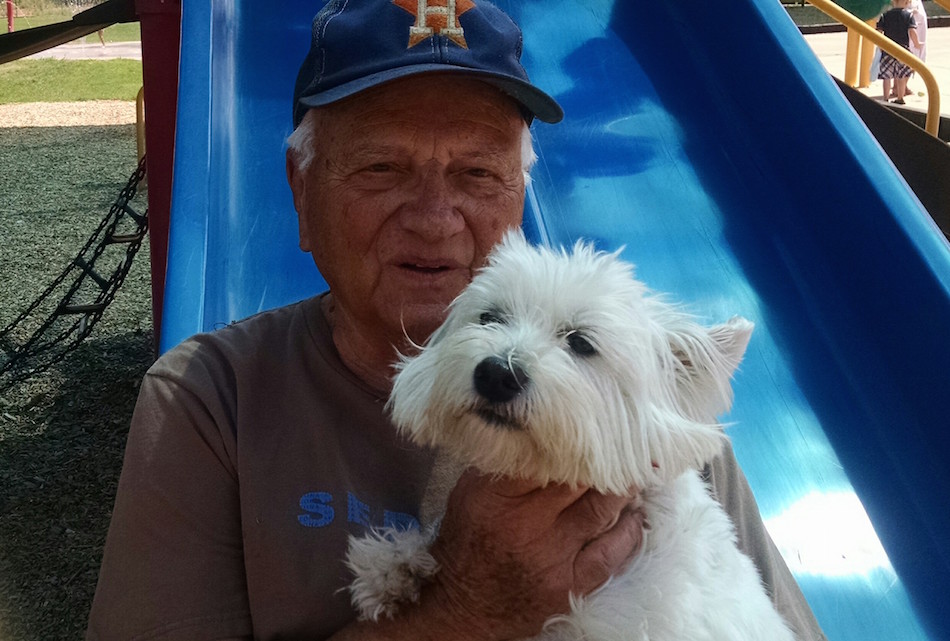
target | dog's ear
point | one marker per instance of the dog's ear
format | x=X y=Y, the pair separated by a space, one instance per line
x=703 y=361
x=707 y=358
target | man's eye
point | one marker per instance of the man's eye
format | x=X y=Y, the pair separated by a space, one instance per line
x=379 y=168
x=479 y=172
x=490 y=317
x=579 y=344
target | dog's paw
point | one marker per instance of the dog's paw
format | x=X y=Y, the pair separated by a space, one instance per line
x=390 y=567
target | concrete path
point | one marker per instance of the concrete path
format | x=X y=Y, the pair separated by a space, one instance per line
x=92 y=49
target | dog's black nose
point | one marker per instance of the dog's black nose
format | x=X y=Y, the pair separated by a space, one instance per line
x=498 y=381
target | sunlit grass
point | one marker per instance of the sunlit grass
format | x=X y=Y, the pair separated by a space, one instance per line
x=49 y=80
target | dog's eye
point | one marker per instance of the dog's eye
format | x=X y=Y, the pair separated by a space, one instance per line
x=580 y=345
x=490 y=317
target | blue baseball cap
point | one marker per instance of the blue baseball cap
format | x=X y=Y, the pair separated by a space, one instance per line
x=359 y=44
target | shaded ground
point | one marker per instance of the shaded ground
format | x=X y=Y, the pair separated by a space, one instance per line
x=62 y=433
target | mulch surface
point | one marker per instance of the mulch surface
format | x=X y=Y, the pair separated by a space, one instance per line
x=62 y=432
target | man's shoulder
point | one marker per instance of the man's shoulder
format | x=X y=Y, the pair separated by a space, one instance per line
x=274 y=335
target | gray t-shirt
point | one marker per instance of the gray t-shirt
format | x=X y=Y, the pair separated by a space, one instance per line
x=253 y=454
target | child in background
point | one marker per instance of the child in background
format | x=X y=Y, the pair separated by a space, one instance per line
x=899 y=25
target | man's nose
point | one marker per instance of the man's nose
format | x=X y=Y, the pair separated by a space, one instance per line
x=433 y=209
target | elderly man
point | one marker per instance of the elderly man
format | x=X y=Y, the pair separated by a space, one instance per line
x=256 y=451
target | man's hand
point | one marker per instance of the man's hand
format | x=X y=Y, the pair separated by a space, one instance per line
x=511 y=553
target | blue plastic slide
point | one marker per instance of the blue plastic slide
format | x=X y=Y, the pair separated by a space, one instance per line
x=707 y=139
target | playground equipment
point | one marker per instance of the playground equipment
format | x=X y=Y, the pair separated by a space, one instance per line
x=720 y=153
x=863 y=9
x=23 y=43
x=734 y=191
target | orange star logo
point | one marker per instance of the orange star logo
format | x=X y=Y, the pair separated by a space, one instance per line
x=436 y=16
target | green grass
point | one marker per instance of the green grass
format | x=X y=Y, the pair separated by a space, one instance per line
x=69 y=80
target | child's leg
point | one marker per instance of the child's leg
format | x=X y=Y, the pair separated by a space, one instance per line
x=900 y=84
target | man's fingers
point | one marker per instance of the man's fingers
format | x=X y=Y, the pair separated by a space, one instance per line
x=593 y=513
x=552 y=498
x=610 y=552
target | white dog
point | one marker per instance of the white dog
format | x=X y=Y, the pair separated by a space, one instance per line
x=561 y=367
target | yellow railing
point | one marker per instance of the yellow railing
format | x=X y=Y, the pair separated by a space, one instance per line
x=848 y=19
x=858 y=59
x=140 y=123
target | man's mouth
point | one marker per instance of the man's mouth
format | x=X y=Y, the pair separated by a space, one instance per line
x=433 y=266
x=426 y=269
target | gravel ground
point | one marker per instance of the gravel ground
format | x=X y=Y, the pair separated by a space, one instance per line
x=62 y=432
x=67 y=114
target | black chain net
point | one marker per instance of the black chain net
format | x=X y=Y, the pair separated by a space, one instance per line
x=64 y=314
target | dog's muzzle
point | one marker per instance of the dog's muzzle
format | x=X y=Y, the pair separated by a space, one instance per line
x=499 y=381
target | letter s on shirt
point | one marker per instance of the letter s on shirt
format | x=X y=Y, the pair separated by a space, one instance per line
x=319 y=512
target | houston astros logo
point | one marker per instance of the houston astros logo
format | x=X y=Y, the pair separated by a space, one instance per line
x=436 y=16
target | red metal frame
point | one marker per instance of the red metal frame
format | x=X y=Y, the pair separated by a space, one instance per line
x=160 y=22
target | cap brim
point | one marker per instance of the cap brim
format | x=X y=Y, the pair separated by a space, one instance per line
x=533 y=100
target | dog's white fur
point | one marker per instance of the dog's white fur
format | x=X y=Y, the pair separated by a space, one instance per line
x=617 y=389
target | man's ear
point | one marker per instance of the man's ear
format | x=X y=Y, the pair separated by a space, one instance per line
x=708 y=358
x=297 y=182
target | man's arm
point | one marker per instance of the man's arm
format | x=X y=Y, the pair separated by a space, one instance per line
x=732 y=490
x=510 y=556
x=174 y=550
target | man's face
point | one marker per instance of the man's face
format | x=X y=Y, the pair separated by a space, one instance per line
x=411 y=185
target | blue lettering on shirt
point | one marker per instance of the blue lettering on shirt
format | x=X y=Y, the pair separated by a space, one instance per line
x=319 y=513
x=357 y=511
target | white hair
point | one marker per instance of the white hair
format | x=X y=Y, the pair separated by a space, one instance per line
x=302 y=142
